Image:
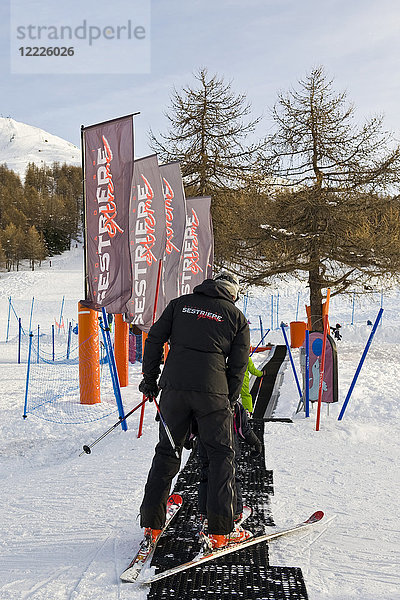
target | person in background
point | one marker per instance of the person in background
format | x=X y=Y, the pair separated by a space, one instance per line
x=209 y=347
x=245 y=396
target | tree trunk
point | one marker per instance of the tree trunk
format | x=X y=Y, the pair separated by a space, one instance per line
x=317 y=323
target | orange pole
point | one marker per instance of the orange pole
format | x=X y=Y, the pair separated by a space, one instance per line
x=89 y=364
x=121 y=350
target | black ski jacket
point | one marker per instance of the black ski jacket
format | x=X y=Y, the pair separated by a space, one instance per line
x=209 y=343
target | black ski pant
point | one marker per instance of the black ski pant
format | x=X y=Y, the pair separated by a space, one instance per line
x=215 y=423
x=203 y=485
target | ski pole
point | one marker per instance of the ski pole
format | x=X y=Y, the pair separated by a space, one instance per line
x=260 y=342
x=87 y=449
x=167 y=431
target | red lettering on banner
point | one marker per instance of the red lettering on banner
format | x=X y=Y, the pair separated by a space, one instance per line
x=107 y=213
x=169 y=217
x=148 y=226
x=194 y=257
x=191 y=255
x=110 y=210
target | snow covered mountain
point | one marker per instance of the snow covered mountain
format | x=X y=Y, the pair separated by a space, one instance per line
x=21 y=144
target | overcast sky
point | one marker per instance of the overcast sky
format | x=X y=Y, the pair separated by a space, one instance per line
x=263 y=46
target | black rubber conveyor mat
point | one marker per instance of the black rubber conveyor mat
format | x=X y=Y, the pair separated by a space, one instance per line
x=245 y=574
x=262 y=389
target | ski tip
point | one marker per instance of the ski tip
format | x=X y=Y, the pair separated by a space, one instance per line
x=317 y=516
x=175 y=499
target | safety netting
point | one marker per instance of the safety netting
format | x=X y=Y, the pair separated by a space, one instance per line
x=52 y=385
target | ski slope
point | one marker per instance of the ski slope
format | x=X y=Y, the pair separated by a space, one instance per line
x=21 y=144
x=69 y=524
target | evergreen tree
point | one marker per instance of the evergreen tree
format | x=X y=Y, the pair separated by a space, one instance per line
x=210 y=126
x=35 y=250
x=326 y=210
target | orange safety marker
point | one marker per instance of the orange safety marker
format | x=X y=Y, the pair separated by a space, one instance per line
x=89 y=364
x=297 y=333
x=121 y=350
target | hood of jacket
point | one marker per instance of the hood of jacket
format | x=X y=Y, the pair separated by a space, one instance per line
x=209 y=287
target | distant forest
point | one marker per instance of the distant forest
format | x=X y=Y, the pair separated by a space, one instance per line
x=40 y=217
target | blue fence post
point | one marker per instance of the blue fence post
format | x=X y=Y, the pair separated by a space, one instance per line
x=19 y=339
x=307 y=386
x=272 y=313
x=353 y=383
x=113 y=367
x=245 y=300
x=277 y=311
x=297 y=307
x=8 y=320
x=61 y=314
x=38 y=336
x=69 y=340
x=30 y=318
x=291 y=362
x=27 y=374
x=261 y=326
x=52 y=339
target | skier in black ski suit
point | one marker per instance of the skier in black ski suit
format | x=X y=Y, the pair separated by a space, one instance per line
x=202 y=377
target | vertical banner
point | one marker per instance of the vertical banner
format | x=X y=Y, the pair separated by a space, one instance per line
x=147 y=241
x=210 y=265
x=108 y=166
x=197 y=251
x=175 y=215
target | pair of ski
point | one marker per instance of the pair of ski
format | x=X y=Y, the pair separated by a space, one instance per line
x=146 y=551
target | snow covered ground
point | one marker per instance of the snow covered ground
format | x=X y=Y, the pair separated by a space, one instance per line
x=21 y=144
x=69 y=524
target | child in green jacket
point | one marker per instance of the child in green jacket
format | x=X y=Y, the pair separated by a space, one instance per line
x=245 y=396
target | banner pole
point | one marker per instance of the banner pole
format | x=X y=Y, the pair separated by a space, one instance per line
x=153 y=320
x=86 y=286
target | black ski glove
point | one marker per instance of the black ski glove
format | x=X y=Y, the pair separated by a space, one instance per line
x=149 y=388
x=257 y=449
